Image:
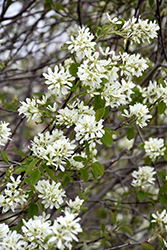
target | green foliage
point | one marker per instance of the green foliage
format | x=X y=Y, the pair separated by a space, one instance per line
x=4 y=155
x=147 y=246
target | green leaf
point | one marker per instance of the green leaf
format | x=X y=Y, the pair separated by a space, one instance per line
x=151 y=3
x=98 y=32
x=87 y=148
x=163 y=200
x=99 y=114
x=59 y=7
x=5 y=157
x=99 y=168
x=72 y=135
x=130 y=133
x=79 y=158
x=94 y=173
x=20 y=169
x=19 y=152
x=141 y=195
x=51 y=174
x=163 y=189
x=31 y=166
x=107 y=139
x=147 y=246
x=2 y=97
x=1 y=65
x=147 y=161
x=161 y=108
x=61 y=175
x=28 y=181
x=161 y=82
x=103 y=227
x=66 y=181
x=35 y=177
x=113 y=218
x=165 y=155
x=33 y=210
x=127 y=229
x=161 y=240
x=74 y=69
x=84 y=174
x=48 y=4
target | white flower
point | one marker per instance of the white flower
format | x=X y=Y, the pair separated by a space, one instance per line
x=88 y=129
x=114 y=20
x=4 y=229
x=13 y=241
x=29 y=109
x=74 y=206
x=140 y=111
x=51 y=194
x=82 y=44
x=59 y=81
x=132 y=65
x=65 y=230
x=154 y=147
x=4 y=133
x=160 y=218
x=143 y=30
x=143 y=178
x=12 y=197
x=35 y=231
x=153 y=92
x=54 y=148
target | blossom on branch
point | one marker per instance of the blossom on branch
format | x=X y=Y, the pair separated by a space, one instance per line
x=5 y=133
x=154 y=147
x=51 y=194
x=143 y=178
x=140 y=112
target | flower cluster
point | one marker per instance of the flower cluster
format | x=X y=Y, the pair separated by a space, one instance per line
x=51 y=194
x=4 y=133
x=74 y=207
x=59 y=81
x=11 y=239
x=160 y=218
x=54 y=148
x=154 y=147
x=82 y=44
x=13 y=196
x=29 y=108
x=140 y=112
x=143 y=178
x=140 y=30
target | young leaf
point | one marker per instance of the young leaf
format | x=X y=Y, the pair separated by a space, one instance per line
x=4 y=156
x=35 y=177
x=161 y=108
x=31 y=166
x=130 y=133
x=66 y=181
x=107 y=139
x=99 y=168
x=51 y=174
x=163 y=200
x=99 y=114
x=147 y=246
x=19 y=152
x=140 y=195
x=127 y=229
x=33 y=210
x=84 y=174
x=87 y=148
x=74 y=69
x=79 y=158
